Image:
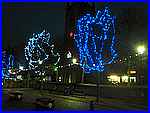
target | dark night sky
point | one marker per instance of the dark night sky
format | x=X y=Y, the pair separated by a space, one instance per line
x=131 y=25
x=21 y=20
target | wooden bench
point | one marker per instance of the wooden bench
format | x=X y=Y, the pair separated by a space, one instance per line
x=15 y=96
x=44 y=103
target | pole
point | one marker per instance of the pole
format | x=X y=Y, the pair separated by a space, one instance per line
x=28 y=80
x=98 y=87
x=82 y=80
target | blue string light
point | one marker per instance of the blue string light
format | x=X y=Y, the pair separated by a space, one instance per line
x=91 y=45
x=36 y=50
x=11 y=61
x=7 y=64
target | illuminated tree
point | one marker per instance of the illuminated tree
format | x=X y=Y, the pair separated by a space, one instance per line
x=95 y=39
x=38 y=49
x=8 y=65
x=5 y=67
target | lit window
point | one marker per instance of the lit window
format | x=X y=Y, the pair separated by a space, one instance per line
x=132 y=79
x=114 y=78
x=132 y=72
x=124 y=78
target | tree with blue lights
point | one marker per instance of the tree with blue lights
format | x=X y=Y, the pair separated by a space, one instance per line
x=5 y=67
x=38 y=49
x=95 y=40
x=8 y=65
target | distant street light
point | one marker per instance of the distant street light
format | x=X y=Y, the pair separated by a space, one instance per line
x=40 y=62
x=140 y=49
x=21 y=67
x=55 y=69
x=74 y=61
x=69 y=55
x=71 y=34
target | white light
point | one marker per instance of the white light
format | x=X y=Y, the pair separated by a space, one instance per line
x=132 y=72
x=132 y=79
x=69 y=79
x=50 y=105
x=11 y=72
x=114 y=78
x=59 y=78
x=69 y=55
x=55 y=69
x=141 y=49
x=40 y=62
x=74 y=61
x=19 y=77
x=21 y=67
x=124 y=78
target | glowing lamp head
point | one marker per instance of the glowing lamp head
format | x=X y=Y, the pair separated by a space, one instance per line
x=71 y=34
x=55 y=69
x=21 y=67
x=69 y=55
x=74 y=61
x=141 y=49
x=40 y=62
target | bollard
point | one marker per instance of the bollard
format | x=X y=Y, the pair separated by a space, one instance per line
x=91 y=105
x=44 y=104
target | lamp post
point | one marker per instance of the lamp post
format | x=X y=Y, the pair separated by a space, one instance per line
x=141 y=50
x=74 y=61
x=28 y=79
x=21 y=67
x=73 y=78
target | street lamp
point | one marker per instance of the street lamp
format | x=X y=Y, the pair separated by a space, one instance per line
x=140 y=49
x=74 y=60
x=40 y=62
x=69 y=55
x=21 y=67
x=55 y=69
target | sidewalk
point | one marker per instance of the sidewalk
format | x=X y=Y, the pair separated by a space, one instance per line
x=81 y=103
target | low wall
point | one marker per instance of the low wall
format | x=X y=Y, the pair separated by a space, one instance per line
x=111 y=91
x=107 y=91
